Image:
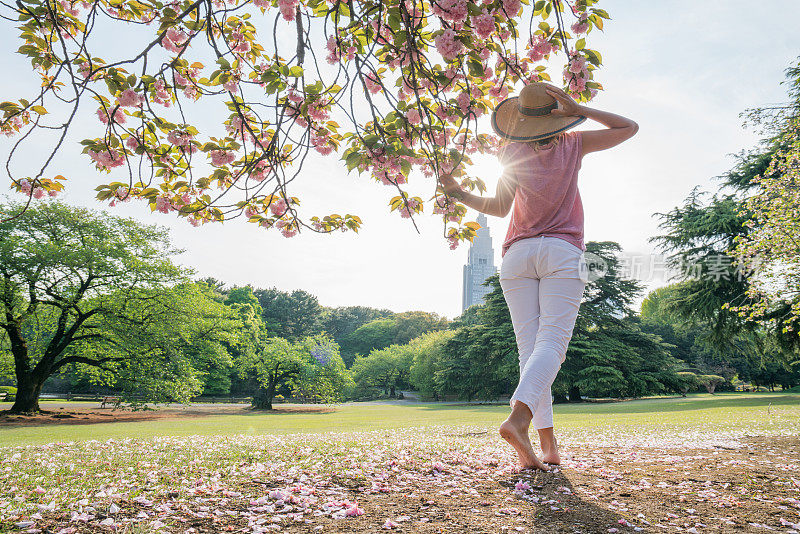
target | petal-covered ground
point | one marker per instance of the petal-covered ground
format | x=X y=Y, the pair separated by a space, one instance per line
x=432 y=479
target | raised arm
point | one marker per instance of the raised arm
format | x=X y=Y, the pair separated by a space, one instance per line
x=499 y=205
x=618 y=128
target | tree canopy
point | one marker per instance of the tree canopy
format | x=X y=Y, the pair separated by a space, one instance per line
x=69 y=276
x=211 y=109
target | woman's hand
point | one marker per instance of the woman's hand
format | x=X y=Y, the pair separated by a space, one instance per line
x=567 y=106
x=450 y=186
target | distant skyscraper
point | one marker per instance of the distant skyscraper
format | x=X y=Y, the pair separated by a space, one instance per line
x=479 y=267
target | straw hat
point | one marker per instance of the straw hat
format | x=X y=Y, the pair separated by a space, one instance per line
x=528 y=118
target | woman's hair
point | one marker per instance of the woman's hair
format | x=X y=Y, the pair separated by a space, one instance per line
x=537 y=144
x=540 y=143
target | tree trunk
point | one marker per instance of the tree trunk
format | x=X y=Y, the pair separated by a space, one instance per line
x=262 y=399
x=392 y=391
x=27 y=399
x=575 y=394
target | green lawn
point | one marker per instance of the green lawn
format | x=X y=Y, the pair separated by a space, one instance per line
x=756 y=412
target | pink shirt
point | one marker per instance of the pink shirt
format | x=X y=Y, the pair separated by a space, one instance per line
x=547 y=201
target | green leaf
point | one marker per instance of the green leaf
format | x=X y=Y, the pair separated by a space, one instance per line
x=475 y=68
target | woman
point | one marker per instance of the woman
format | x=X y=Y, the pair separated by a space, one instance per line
x=543 y=272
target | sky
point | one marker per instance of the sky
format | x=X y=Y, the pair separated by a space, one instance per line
x=683 y=70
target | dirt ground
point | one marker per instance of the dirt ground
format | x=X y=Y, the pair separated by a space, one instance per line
x=642 y=490
x=752 y=487
x=83 y=413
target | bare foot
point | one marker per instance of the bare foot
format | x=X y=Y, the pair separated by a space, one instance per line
x=551 y=457
x=547 y=440
x=518 y=439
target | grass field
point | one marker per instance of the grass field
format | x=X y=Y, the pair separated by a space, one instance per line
x=722 y=463
x=762 y=412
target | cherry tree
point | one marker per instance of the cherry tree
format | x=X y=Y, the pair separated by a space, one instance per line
x=393 y=88
x=771 y=248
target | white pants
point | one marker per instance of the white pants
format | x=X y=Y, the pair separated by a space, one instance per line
x=543 y=279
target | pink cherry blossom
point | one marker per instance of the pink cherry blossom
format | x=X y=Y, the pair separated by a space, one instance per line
x=85 y=69
x=353 y=510
x=322 y=144
x=174 y=40
x=539 y=48
x=278 y=207
x=180 y=138
x=260 y=171
x=448 y=45
x=161 y=93
x=499 y=92
x=577 y=64
x=372 y=84
x=452 y=10
x=582 y=24
x=410 y=206
x=129 y=98
x=163 y=204
x=119 y=115
x=221 y=157
x=241 y=46
x=12 y=125
x=122 y=193
x=483 y=24
x=577 y=85
x=294 y=96
x=179 y=79
x=512 y=7
x=464 y=102
x=232 y=85
x=107 y=158
x=132 y=142
x=319 y=110
x=287 y=8
x=333 y=50
x=289 y=230
x=191 y=92
x=522 y=486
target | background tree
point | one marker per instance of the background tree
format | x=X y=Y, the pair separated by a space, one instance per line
x=62 y=269
x=343 y=321
x=310 y=365
x=326 y=379
x=160 y=345
x=401 y=87
x=397 y=329
x=685 y=339
x=715 y=292
x=429 y=352
x=387 y=369
x=289 y=315
x=771 y=245
x=251 y=336
x=374 y=335
x=481 y=360
x=610 y=355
